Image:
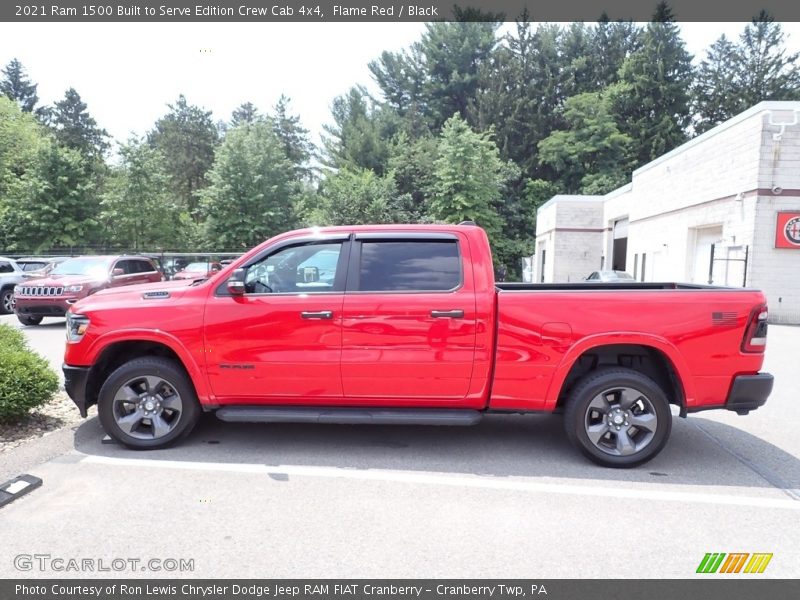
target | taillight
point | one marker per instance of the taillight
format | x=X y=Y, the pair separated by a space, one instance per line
x=755 y=336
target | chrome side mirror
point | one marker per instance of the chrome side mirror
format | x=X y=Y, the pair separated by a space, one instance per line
x=236 y=283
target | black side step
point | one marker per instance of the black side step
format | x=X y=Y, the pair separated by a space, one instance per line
x=349 y=416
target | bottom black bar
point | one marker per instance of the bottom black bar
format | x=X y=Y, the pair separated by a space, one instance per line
x=706 y=587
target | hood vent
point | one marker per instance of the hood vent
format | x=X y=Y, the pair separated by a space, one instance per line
x=159 y=295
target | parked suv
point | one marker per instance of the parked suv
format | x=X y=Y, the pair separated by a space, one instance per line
x=77 y=278
x=10 y=275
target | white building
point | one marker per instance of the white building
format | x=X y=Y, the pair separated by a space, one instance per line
x=721 y=208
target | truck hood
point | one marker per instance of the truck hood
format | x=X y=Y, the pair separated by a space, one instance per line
x=174 y=288
x=132 y=296
x=65 y=280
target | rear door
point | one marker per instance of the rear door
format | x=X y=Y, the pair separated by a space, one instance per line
x=409 y=320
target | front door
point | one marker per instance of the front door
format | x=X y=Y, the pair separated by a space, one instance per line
x=409 y=321
x=281 y=341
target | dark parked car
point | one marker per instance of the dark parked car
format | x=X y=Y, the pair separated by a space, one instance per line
x=610 y=276
x=198 y=270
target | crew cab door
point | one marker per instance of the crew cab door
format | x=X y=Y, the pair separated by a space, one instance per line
x=409 y=320
x=281 y=340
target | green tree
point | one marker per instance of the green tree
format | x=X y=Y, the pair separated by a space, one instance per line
x=468 y=178
x=75 y=128
x=591 y=155
x=612 y=43
x=293 y=136
x=56 y=205
x=715 y=91
x=137 y=209
x=21 y=137
x=355 y=196
x=410 y=165
x=16 y=86
x=244 y=113
x=360 y=134
x=734 y=77
x=766 y=71
x=187 y=137
x=653 y=105
x=252 y=189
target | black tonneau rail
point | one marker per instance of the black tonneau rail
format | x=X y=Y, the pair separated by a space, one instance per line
x=605 y=285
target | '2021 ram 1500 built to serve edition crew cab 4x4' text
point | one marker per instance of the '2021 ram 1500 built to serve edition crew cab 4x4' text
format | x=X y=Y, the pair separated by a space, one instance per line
x=405 y=324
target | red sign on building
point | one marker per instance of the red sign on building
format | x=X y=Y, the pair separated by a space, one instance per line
x=787 y=230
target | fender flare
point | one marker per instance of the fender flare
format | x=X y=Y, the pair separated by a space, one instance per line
x=634 y=338
x=195 y=372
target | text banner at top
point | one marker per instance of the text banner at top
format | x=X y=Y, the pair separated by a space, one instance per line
x=388 y=11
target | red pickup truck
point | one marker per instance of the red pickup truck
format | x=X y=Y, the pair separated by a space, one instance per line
x=406 y=325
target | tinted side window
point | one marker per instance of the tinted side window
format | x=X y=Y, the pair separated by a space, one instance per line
x=5 y=267
x=409 y=266
x=143 y=266
x=125 y=265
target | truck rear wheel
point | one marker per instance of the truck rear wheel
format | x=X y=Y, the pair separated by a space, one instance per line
x=618 y=417
x=148 y=403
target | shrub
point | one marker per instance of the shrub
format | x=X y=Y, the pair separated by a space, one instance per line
x=11 y=338
x=26 y=382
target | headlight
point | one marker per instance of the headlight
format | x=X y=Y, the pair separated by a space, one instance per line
x=76 y=327
x=74 y=288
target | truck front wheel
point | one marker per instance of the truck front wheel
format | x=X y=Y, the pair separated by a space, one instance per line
x=7 y=301
x=618 y=417
x=148 y=403
x=28 y=320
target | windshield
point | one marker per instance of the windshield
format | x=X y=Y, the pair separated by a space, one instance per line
x=198 y=266
x=91 y=267
x=31 y=266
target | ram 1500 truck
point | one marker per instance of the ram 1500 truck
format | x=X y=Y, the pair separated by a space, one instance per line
x=405 y=325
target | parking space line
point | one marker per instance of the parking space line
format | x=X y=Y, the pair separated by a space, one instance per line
x=471 y=481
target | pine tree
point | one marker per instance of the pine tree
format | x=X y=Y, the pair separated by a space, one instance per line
x=244 y=113
x=765 y=70
x=75 y=128
x=293 y=136
x=360 y=134
x=716 y=95
x=652 y=105
x=16 y=86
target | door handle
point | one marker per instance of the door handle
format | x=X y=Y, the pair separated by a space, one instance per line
x=320 y=314
x=447 y=314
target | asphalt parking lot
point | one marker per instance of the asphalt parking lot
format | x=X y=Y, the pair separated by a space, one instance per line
x=506 y=498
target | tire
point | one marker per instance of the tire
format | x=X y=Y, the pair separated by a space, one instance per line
x=148 y=403
x=7 y=301
x=618 y=417
x=26 y=320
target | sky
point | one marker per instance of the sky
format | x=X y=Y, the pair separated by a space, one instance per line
x=127 y=73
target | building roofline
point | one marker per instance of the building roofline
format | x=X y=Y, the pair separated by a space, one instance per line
x=558 y=198
x=761 y=107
